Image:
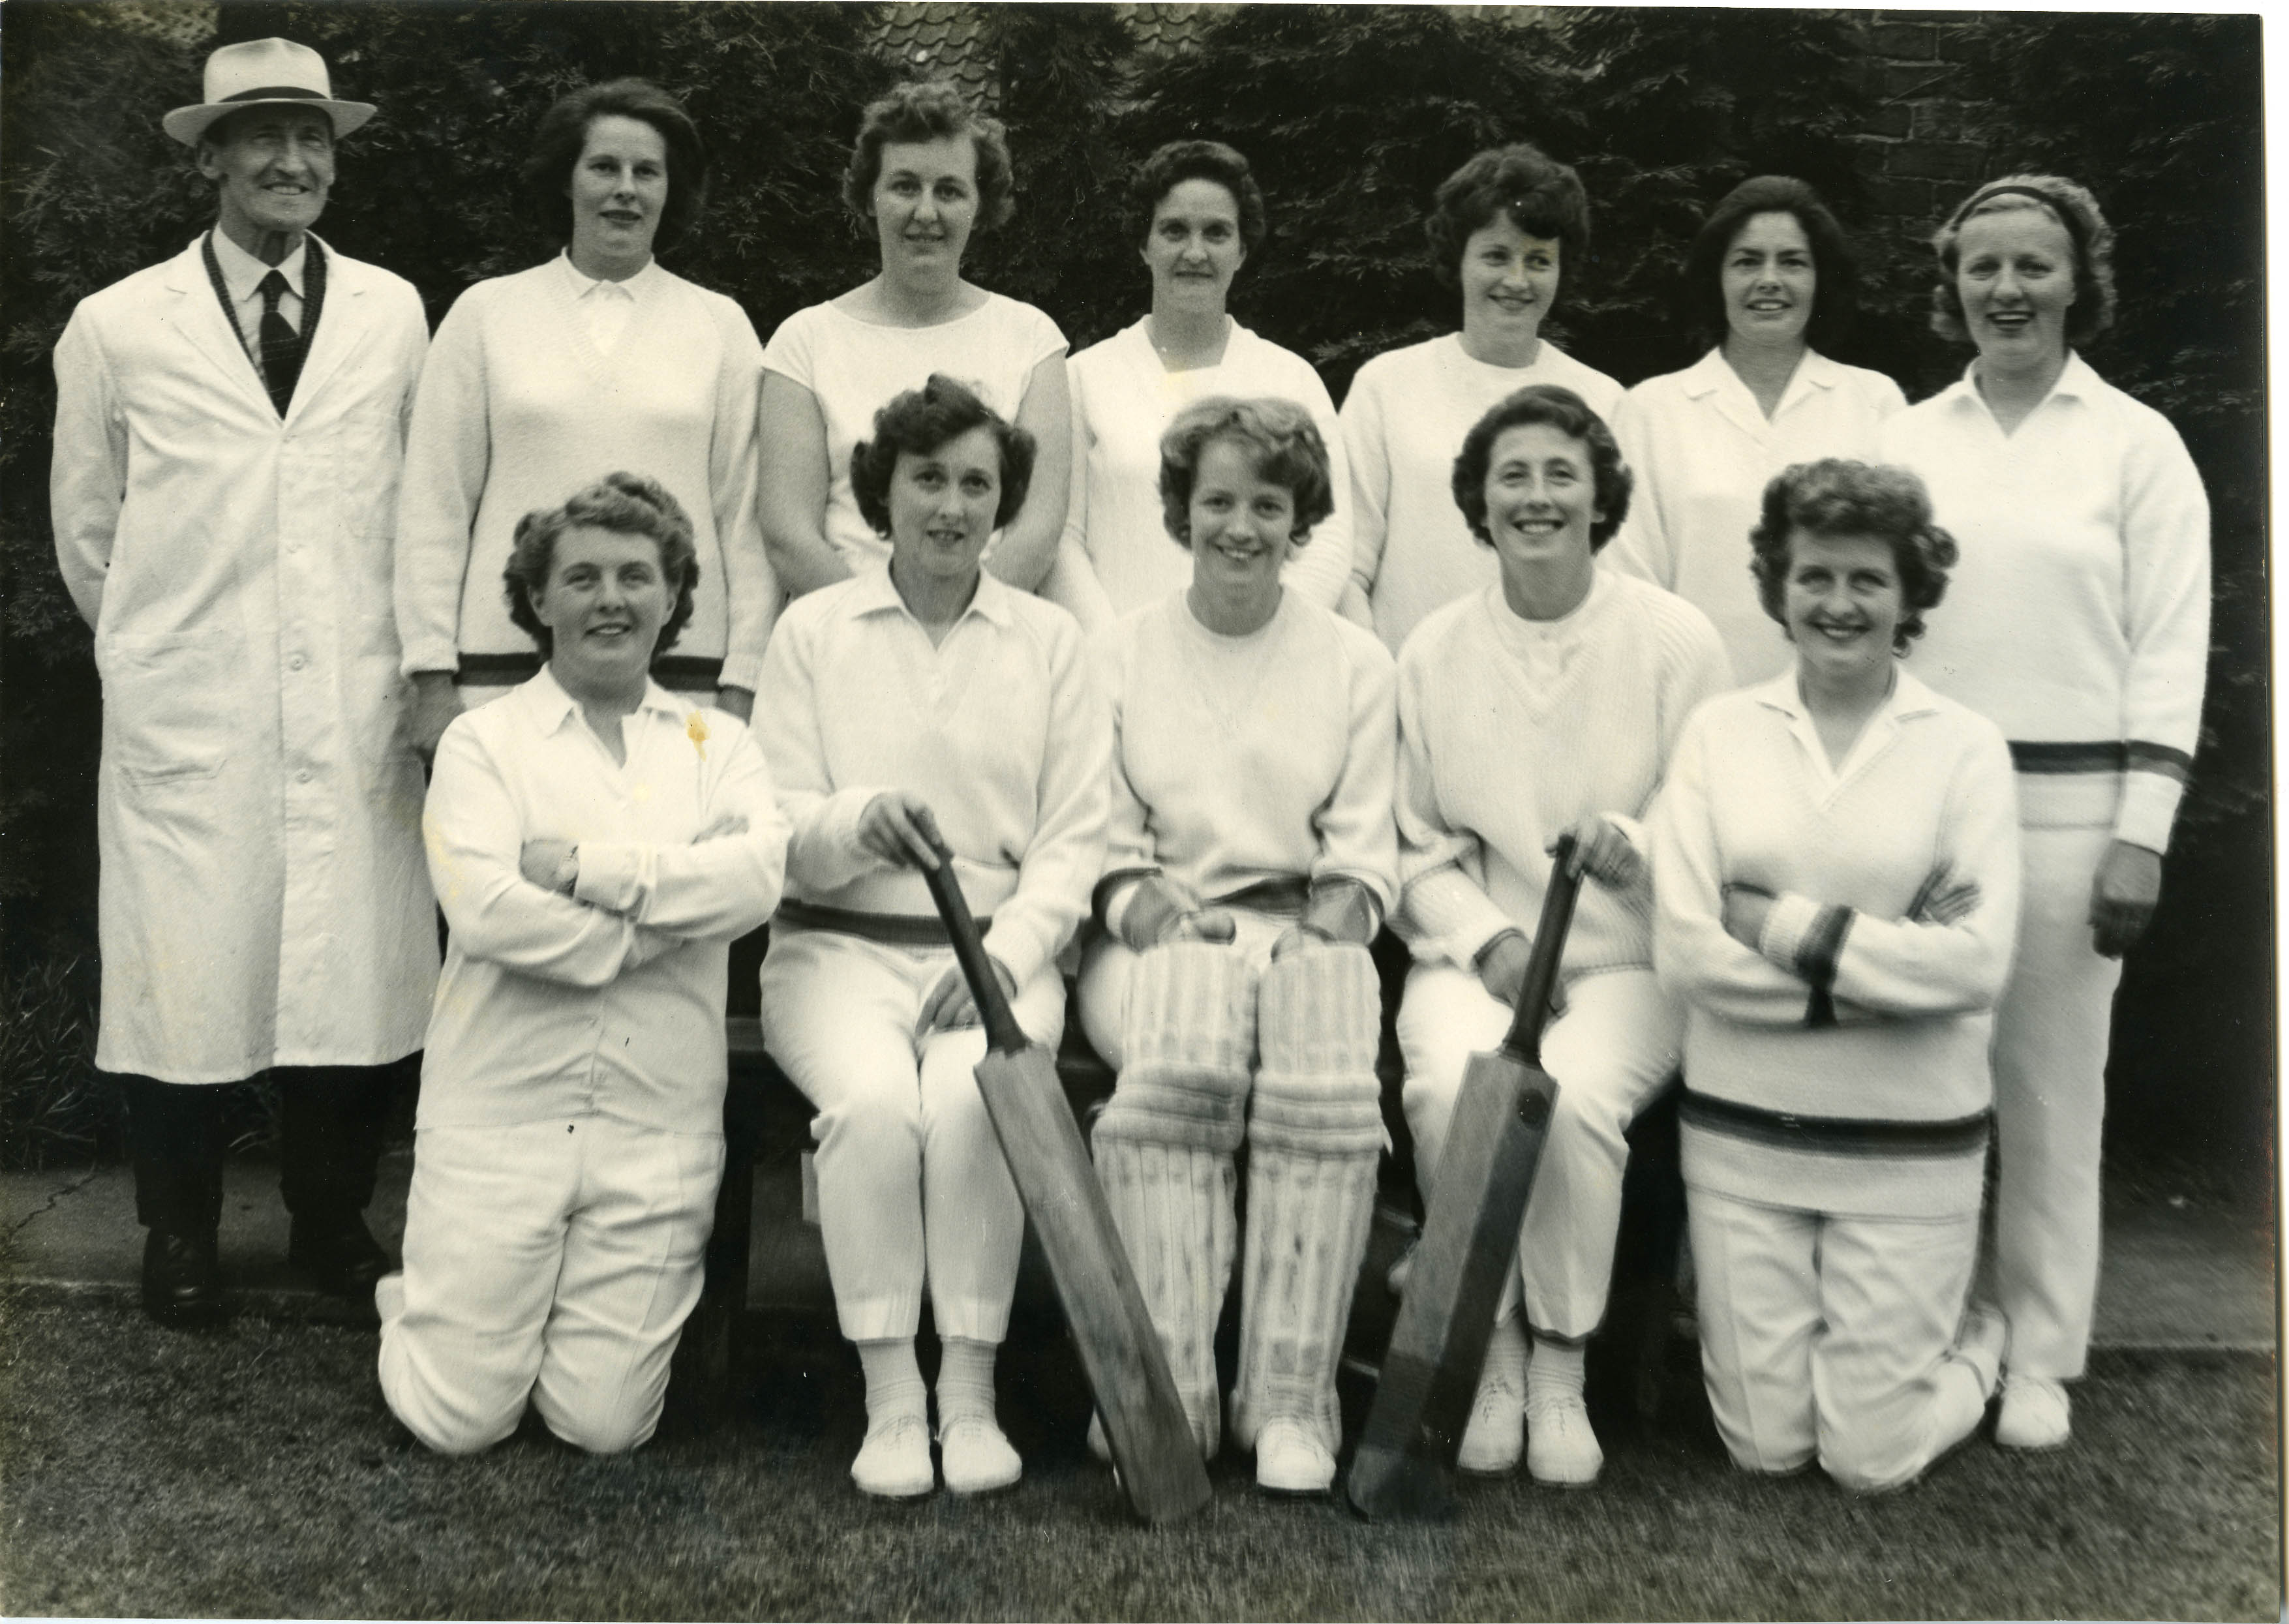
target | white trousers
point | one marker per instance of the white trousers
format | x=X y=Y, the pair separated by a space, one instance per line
x=556 y=1260
x=1610 y=1053
x=2051 y=1035
x=913 y=1187
x=1832 y=1337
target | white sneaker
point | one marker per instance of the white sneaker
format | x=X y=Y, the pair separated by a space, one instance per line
x=1496 y=1435
x=1561 y=1448
x=976 y=1457
x=2035 y=1414
x=1290 y=1460
x=894 y=1463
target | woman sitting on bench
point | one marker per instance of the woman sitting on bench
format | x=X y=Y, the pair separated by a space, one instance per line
x=925 y=699
x=1251 y=861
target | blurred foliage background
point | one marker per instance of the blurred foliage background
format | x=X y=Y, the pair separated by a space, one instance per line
x=1351 y=115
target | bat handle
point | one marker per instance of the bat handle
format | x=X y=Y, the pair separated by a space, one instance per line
x=1525 y=1039
x=1002 y=1033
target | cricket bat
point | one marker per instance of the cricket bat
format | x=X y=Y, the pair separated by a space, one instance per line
x=1155 y=1456
x=1405 y=1464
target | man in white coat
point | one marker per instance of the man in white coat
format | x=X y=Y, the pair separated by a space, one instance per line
x=228 y=430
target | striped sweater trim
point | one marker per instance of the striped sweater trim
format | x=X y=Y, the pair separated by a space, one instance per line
x=2102 y=756
x=1864 y=1136
x=1816 y=961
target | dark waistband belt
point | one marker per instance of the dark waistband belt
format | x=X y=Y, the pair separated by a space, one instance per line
x=681 y=673
x=890 y=929
x=1835 y=1135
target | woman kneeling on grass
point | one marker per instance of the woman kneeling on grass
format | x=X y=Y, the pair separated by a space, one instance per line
x=596 y=843
x=1250 y=862
x=923 y=698
x=1836 y=881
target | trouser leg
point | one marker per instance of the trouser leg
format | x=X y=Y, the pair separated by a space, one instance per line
x=1613 y=1050
x=634 y=1246
x=1757 y=1271
x=330 y=1126
x=1891 y=1390
x=485 y=1226
x=174 y=1141
x=973 y=1222
x=1164 y=1149
x=2051 y=1034
x=1314 y=1135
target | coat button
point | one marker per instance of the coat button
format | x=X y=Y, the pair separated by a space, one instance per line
x=297 y=662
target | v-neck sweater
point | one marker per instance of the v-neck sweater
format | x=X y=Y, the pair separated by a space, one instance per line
x=517 y=410
x=1244 y=758
x=1511 y=731
x=1858 y=1024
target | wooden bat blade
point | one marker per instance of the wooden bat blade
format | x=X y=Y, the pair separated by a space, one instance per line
x=1153 y=1445
x=1405 y=1464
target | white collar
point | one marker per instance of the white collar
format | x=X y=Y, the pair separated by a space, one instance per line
x=2076 y=381
x=547 y=706
x=584 y=285
x=873 y=593
x=1712 y=374
x=243 y=273
x=1909 y=701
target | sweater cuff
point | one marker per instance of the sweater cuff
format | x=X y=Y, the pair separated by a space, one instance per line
x=430 y=654
x=1019 y=951
x=741 y=670
x=611 y=875
x=1792 y=929
x=2149 y=806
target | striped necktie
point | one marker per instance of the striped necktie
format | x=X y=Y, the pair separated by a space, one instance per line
x=282 y=345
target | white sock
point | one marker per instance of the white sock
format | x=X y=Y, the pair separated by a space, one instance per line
x=1506 y=1355
x=894 y=1380
x=1556 y=1370
x=965 y=1379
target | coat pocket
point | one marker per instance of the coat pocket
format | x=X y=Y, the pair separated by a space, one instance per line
x=171 y=706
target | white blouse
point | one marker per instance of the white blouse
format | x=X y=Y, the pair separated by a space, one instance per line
x=1702 y=453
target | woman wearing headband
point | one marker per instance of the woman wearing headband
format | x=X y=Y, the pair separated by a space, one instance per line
x=2079 y=624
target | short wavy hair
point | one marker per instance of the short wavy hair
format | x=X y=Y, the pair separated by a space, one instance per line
x=918 y=422
x=625 y=503
x=1837 y=497
x=563 y=132
x=2074 y=208
x=1543 y=197
x=931 y=110
x=1558 y=408
x=1836 y=273
x=1279 y=437
x=1178 y=162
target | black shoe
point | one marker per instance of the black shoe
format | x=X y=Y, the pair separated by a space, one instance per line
x=182 y=1278
x=339 y=1255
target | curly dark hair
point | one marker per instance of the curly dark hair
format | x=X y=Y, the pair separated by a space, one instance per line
x=1836 y=497
x=563 y=132
x=1835 y=284
x=625 y=503
x=1278 y=435
x=930 y=110
x=917 y=423
x=2074 y=208
x=1543 y=197
x=1559 y=408
x=1178 y=162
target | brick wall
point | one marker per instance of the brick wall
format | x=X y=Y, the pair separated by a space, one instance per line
x=1928 y=141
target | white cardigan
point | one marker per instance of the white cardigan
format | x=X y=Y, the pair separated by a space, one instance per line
x=517 y=410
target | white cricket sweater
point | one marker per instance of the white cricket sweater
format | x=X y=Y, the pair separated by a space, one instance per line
x=1243 y=759
x=517 y=410
x=1511 y=731
x=2078 y=619
x=1843 y=1068
x=1403 y=421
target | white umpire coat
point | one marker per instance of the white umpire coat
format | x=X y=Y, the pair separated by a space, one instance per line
x=263 y=899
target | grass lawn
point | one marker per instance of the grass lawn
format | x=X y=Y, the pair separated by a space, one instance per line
x=253 y=1470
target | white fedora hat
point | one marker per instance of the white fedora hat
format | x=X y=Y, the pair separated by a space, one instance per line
x=274 y=71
